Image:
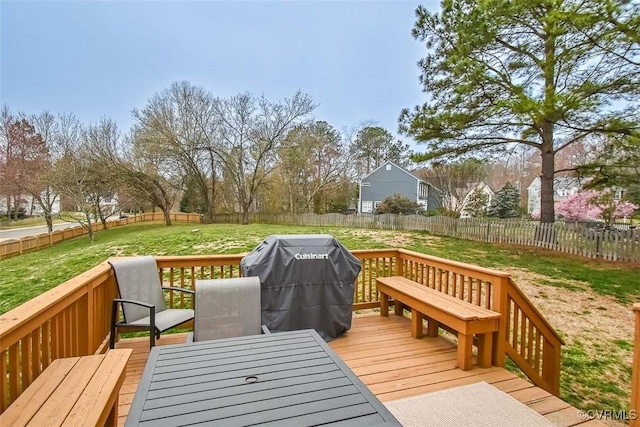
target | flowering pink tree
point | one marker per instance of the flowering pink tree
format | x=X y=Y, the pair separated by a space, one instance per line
x=591 y=204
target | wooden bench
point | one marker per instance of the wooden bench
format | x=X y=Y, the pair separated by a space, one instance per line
x=437 y=307
x=74 y=391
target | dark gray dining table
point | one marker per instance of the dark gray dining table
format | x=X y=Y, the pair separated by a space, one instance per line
x=281 y=379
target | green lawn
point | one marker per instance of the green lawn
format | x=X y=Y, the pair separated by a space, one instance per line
x=596 y=373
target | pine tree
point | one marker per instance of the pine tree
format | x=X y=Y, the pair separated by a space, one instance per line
x=506 y=202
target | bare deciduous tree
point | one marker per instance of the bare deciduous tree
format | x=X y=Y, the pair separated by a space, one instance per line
x=178 y=123
x=312 y=157
x=249 y=131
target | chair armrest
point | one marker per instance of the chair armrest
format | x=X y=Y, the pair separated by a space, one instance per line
x=172 y=288
x=265 y=330
x=114 y=318
x=130 y=301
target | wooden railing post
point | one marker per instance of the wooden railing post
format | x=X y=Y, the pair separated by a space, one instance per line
x=500 y=304
x=635 y=379
x=551 y=366
x=399 y=265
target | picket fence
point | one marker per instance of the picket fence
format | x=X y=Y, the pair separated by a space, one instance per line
x=618 y=243
x=621 y=242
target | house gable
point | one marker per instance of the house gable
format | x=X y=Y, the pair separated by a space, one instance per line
x=389 y=179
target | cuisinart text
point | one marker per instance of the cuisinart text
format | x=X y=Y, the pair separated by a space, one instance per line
x=311 y=256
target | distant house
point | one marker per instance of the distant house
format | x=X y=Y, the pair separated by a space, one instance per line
x=390 y=179
x=563 y=187
x=483 y=188
x=29 y=205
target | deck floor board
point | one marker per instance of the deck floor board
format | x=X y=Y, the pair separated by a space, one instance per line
x=393 y=365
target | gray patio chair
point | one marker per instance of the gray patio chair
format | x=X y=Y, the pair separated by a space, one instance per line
x=142 y=299
x=227 y=308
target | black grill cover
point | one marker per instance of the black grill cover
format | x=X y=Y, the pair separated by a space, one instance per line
x=307 y=282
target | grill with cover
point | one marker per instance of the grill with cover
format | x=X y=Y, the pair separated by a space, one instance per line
x=306 y=282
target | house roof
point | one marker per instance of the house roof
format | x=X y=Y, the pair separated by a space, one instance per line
x=391 y=163
x=562 y=182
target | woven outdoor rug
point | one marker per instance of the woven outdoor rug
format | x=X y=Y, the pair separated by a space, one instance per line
x=477 y=405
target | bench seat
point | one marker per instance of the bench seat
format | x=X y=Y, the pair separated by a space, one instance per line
x=73 y=391
x=436 y=307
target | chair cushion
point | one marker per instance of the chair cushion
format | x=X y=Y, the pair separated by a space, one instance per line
x=167 y=319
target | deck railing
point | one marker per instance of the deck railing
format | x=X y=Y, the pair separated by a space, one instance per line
x=635 y=380
x=70 y=320
x=73 y=318
x=524 y=334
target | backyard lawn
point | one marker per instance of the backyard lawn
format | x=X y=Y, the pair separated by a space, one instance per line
x=589 y=303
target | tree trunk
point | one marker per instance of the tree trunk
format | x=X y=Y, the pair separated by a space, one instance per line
x=167 y=215
x=89 y=226
x=103 y=220
x=49 y=219
x=245 y=215
x=547 y=211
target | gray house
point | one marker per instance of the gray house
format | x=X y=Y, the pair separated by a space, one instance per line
x=390 y=179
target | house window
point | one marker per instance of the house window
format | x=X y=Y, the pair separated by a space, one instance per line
x=367 y=206
x=617 y=195
x=366 y=184
x=388 y=167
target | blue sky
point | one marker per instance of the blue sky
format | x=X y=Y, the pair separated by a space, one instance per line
x=93 y=58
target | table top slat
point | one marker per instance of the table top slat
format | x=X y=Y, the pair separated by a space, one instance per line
x=163 y=388
x=255 y=353
x=240 y=404
x=262 y=412
x=292 y=386
x=361 y=416
x=231 y=369
x=233 y=344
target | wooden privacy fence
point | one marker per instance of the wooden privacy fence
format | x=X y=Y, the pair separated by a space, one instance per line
x=73 y=318
x=13 y=247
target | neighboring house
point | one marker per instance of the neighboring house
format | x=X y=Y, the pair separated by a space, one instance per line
x=472 y=188
x=110 y=203
x=390 y=179
x=30 y=205
x=563 y=187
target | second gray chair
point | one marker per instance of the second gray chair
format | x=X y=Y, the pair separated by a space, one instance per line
x=226 y=308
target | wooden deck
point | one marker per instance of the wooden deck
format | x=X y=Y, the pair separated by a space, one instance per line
x=381 y=351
